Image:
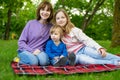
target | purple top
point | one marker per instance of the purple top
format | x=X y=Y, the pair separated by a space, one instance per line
x=34 y=36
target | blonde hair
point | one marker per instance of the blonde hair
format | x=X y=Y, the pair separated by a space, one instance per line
x=69 y=25
x=58 y=29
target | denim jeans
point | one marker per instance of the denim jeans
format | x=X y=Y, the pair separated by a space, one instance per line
x=30 y=59
x=88 y=55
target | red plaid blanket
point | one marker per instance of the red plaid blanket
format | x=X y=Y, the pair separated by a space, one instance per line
x=43 y=70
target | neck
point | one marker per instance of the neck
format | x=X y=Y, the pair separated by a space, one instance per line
x=57 y=42
x=43 y=21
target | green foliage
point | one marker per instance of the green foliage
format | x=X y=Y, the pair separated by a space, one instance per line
x=22 y=17
x=23 y=10
x=100 y=27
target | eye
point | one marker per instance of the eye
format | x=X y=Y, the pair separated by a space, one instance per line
x=42 y=9
x=62 y=17
x=57 y=18
x=48 y=10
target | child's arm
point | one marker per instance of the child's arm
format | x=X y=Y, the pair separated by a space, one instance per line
x=65 y=53
x=48 y=50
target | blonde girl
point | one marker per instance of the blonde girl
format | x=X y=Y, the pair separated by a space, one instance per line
x=87 y=51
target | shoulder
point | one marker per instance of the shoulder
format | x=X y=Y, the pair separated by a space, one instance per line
x=62 y=43
x=32 y=21
x=49 y=41
x=50 y=25
x=76 y=29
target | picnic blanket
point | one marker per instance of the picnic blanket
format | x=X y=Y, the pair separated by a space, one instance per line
x=44 y=70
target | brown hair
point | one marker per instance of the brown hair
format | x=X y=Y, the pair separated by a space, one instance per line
x=57 y=28
x=69 y=25
x=42 y=5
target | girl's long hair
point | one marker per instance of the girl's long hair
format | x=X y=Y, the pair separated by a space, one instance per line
x=69 y=25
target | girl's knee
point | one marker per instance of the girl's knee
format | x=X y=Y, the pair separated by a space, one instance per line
x=43 y=62
x=33 y=60
x=43 y=59
x=28 y=58
x=84 y=59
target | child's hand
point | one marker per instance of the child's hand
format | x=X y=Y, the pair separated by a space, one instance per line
x=36 y=52
x=61 y=56
x=56 y=58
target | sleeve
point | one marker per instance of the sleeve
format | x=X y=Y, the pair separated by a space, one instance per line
x=48 y=50
x=82 y=37
x=22 y=42
x=65 y=53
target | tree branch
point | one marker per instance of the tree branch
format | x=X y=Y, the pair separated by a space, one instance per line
x=88 y=20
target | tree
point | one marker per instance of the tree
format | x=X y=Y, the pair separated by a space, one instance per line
x=94 y=17
x=93 y=24
x=89 y=14
x=90 y=8
x=10 y=7
x=116 y=27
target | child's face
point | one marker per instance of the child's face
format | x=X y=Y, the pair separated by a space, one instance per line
x=61 y=19
x=55 y=36
x=45 y=13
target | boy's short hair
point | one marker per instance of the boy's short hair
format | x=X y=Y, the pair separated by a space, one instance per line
x=58 y=28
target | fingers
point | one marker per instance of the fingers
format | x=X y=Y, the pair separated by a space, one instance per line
x=103 y=52
x=36 y=52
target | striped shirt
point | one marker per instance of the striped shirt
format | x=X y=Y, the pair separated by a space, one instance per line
x=76 y=40
x=72 y=46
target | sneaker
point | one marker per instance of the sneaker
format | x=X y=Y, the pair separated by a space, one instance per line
x=61 y=62
x=71 y=58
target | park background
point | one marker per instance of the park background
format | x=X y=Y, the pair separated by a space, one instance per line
x=99 y=19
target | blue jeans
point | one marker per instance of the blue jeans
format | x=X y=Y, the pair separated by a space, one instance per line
x=88 y=55
x=31 y=59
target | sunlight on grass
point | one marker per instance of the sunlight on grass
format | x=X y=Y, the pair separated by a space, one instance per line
x=8 y=50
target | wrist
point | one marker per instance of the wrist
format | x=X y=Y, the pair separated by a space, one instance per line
x=102 y=48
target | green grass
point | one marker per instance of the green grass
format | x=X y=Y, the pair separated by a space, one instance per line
x=8 y=50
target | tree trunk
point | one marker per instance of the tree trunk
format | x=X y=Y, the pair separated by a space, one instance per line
x=88 y=19
x=7 y=29
x=116 y=27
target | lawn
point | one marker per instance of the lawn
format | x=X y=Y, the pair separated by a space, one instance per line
x=8 y=50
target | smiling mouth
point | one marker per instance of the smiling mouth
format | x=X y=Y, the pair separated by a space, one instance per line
x=61 y=22
x=45 y=15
